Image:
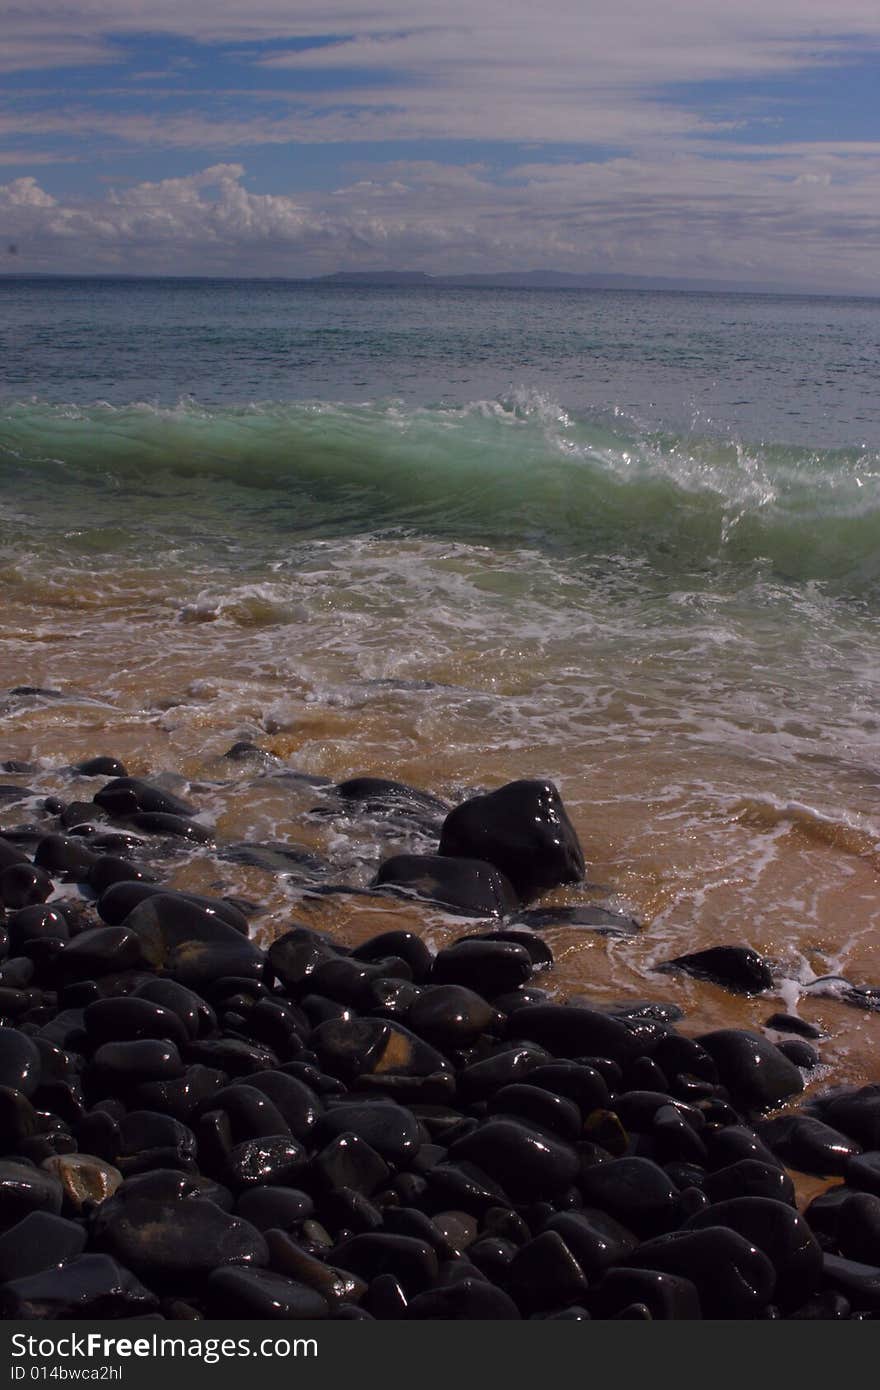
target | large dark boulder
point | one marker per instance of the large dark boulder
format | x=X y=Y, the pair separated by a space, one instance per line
x=524 y=830
x=467 y=885
x=757 y=1075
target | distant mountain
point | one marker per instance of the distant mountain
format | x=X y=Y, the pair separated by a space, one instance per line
x=546 y=280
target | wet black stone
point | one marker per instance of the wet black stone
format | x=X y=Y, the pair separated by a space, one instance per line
x=194 y=1012
x=278 y=858
x=411 y=1262
x=382 y=794
x=644 y=1074
x=579 y=1083
x=389 y=998
x=638 y=1109
x=524 y=830
x=404 y=944
x=149 y=1139
x=176 y=1243
x=781 y=1233
x=101 y=951
x=465 y=1300
x=20 y=1065
x=128 y=1018
x=232 y=1055
x=733 y=1277
x=597 y=1239
x=492 y=1255
x=808 y=1145
x=754 y=1071
x=543 y=1108
x=856 y=1113
x=858 y=1283
x=790 y=1023
x=260 y=1293
x=117 y=901
x=464 y=1186
x=298 y=1103
x=274 y=1208
x=345 y=1210
x=90 y=1286
x=349 y=1161
x=124 y=795
x=18 y=1119
x=272 y=1160
x=858 y=1230
x=295 y=1261
x=734 y=1142
x=22 y=885
x=37 y=1242
x=802 y=1053
x=482 y=1079
x=180 y=1096
x=539 y=952
x=823 y=1307
x=352 y=1048
x=736 y=968
x=11 y=854
x=348 y=981
x=169 y=1185
x=544 y=1273
x=295 y=956
x=675 y=1139
x=251 y=1113
x=488 y=967
x=17 y=972
x=635 y=1191
x=468 y=886
x=25 y=1189
x=38 y=921
x=675 y=1054
x=118 y=1066
x=863 y=1172
x=109 y=869
x=100 y=766
x=65 y=855
x=191 y=943
x=567 y=1030
x=385 y=1299
x=528 y=1163
x=750 y=1177
x=666 y=1297
x=451 y=1016
x=391 y=1130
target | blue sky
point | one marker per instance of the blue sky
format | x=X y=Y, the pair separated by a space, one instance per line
x=690 y=138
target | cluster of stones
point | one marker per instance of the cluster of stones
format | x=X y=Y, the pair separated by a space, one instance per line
x=193 y=1126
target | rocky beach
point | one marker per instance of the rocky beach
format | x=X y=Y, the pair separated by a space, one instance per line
x=203 y=1120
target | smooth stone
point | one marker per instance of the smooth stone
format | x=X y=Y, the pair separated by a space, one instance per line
x=858 y=1230
x=100 y=766
x=273 y=1160
x=37 y=1242
x=754 y=1071
x=635 y=1191
x=389 y=998
x=117 y=901
x=524 y=830
x=118 y=1066
x=659 y=1011
x=863 y=1172
x=856 y=1113
x=465 y=1300
x=749 y=1177
x=733 y=1277
x=827 y=1306
x=403 y=944
x=149 y=1139
x=391 y=1130
x=181 y=1096
x=295 y=1262
x=191 y=943
x=344 y=1212
x=20 y=1065
x=295 y=956
x=733 y=1142
x=567 y=1030
x=382 y=794
x=736 y=968
x=527 y=1163
x=39 y=920
x=16 y=972
x=348 y=981
x=250 y=1112
x=67 y=855
x=274 y=1208
x=678 y=1054
x=232 y=1055
x=22 y=885
x=11 y=854
x=110 y=869
x=781 y=1233
x=666 y=1297
x=24 y=1189
x=349 y=1161
x=86 y=1180
x=276 y=857
x=411 y=1262
x=129 y=1018
x=487 y=967
x=859 y=1283
x=802 y=1053
x=581 y=1084
x=176 y=1243
x=461 y=885
x=124 y=795
x=597 y=1240
x=385 y=1299
x=261 y=1293
x=297 y=1102
x=18 y=1118
x=166 y=1185
x=351 y=1048
x=194 y=1012
x=100 y=951
x=808 y=1145
x=88 y=1287
x=451 y=1016
x=525 y=1101
x=790 y=1023
x=544 y=1273
x=464 y=1186
x=482 y=1079
x=540 y=953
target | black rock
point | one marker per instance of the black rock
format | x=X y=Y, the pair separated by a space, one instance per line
x=567 y=1030
x=467 y=1299
x=37 y=1242
x=232 y=1055
x=149 y=1139
x=391 y=1130
x=528 y=1163
x=125 y=795
x=404 y=944
x=250 y=1112
x=781 y=1233
x=176 y=1243
x=274 y=1208
x=808 y=1145
x=349 y=1161
x=469 y=886
x=863 y=1172
x=117 y=901
x=827 y=1306
x=296 y=1262
x=412 y=1262
x=750 y=1177
x=737 y=968
x=597 y=1240
x=101 y=951
x=465 y=1187
x=755 y=1072
x=86 y=1180
x=542 y=1108
x=790 y=1023
x=88 y=1287
x=272 y=1160
x=524 y=830
x=488 y=967
x=109 y=869
x=38 y=921
x=352 y=1048
x=295 y=956
x=544 y=1273
x=856 y=1113
x=194 y=1012
x=100 y=766
x=859 y=1283
x=733 y=1142
x=635 y=1191
x=20 y=1065
x=385 y=1299
x=127 y=1018
x=665 y=1297
x=190 y=943
x=858 y=1230
x=64 y=855
x=802 y=1053
x=260 y=1293
x=511 y=1063
x=179 y=1097
x=22 y=885
x=451 y=1016
x=732 y=1276
x=25 y=1189
x=296 y=1101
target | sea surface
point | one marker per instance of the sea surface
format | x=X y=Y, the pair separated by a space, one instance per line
x=629 y=541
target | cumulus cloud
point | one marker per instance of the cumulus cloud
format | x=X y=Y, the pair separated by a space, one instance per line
x=689 y=217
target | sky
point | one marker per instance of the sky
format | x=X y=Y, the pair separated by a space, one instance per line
x=733 y=139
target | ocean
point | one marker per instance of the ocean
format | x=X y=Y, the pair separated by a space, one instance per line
x=628 y=541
